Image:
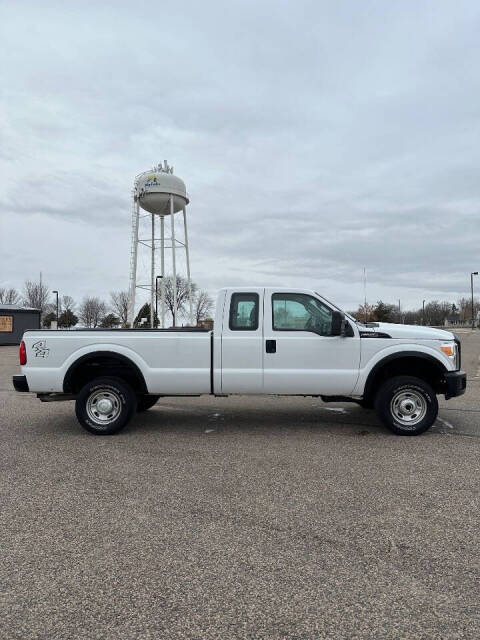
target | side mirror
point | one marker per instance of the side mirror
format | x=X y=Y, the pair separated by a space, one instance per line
x=338 y=323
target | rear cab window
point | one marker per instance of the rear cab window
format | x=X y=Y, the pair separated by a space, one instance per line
x=244 y=312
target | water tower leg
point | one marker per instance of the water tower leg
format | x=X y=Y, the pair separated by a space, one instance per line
x=152 y=293
x=133 y=264
x=188 y=266
x=162 y=264
x=174 y=265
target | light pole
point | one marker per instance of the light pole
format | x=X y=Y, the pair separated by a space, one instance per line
x=156 y=296
x=474 y=273
x=56 y=292
x=423 y=312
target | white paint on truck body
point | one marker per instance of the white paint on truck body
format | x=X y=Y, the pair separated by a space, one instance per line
x=305 y=360
x=171 y=362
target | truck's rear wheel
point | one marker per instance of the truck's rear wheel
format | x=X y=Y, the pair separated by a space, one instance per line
x=364 y=403
x=406 y=405
x=105 y=405
x=146 y=402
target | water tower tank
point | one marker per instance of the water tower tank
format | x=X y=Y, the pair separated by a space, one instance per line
x=160 y=193
x=153 y=189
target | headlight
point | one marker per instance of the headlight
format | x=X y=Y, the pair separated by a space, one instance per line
x=451 y=350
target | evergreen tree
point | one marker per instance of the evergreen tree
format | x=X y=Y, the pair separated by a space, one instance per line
x=109 y=321
x=67 y=319
x=145 y=313
x=48 y=319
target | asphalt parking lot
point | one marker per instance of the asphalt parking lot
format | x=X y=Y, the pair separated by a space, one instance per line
x=219 y=518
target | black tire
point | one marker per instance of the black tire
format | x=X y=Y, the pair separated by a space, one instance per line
x=146 y=402
x=406 y=405
x=365 y=404
x=98 y=419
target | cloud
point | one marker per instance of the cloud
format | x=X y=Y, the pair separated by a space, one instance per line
x=315 y=140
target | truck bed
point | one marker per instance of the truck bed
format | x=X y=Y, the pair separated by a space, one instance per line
x=172 y=361
x=175 y=329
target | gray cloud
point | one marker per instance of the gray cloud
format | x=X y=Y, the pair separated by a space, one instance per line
x=314 y=140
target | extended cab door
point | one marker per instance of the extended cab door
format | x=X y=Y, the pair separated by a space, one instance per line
x=242 y=342
x=300 y=354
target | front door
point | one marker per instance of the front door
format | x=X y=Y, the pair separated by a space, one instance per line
x=300 y=354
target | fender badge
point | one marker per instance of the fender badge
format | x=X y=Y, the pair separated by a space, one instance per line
x=40 y=349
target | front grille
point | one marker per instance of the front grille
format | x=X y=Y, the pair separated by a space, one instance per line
x=459 y=352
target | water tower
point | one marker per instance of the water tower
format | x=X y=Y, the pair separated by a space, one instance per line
x=160 y=194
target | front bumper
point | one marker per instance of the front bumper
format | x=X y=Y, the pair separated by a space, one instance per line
x=20 y=383
x=455 y=383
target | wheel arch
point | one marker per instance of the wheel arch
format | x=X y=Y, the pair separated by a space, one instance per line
x=103 y=363
x=416 y=363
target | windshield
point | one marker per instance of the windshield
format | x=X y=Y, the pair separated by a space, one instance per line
x=347 y=315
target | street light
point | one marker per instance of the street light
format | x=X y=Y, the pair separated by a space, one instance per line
x=474 y=273
x=156 y=295
x=423 y=313
x=56 y=292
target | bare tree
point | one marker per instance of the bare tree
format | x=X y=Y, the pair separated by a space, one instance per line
x=9 y=296
x=91 y=311
x=364 y=313
x=202 y=306
x=119 y=305
x=465 y=309
x=35 y=294
x=437 y=312
x=413 y=316
x=67 y=304
x=182 y=294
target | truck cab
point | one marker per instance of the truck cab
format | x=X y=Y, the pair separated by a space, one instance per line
x=286 y=342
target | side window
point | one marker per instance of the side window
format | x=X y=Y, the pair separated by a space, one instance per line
x=300 y=312
x=244 y=312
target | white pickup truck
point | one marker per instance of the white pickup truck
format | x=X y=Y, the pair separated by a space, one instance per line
x=265 y=341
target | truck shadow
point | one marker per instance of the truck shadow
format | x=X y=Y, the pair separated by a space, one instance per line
x=170 y=417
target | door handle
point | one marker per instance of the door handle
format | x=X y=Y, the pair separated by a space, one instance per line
x=271 y=346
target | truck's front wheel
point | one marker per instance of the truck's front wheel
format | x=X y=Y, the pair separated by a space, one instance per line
x=105 y=405
x=406 y=405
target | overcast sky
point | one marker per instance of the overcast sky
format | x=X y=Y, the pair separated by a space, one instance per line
x=315 y=138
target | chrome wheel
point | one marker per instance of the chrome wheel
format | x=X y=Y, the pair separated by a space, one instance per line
x=104 y=407
x=408 y=407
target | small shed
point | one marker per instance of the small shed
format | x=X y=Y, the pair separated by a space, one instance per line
x=14 y=320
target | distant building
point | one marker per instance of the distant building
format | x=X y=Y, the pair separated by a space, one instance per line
x=15 y=320
x=206 y=324
x=452 y=320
